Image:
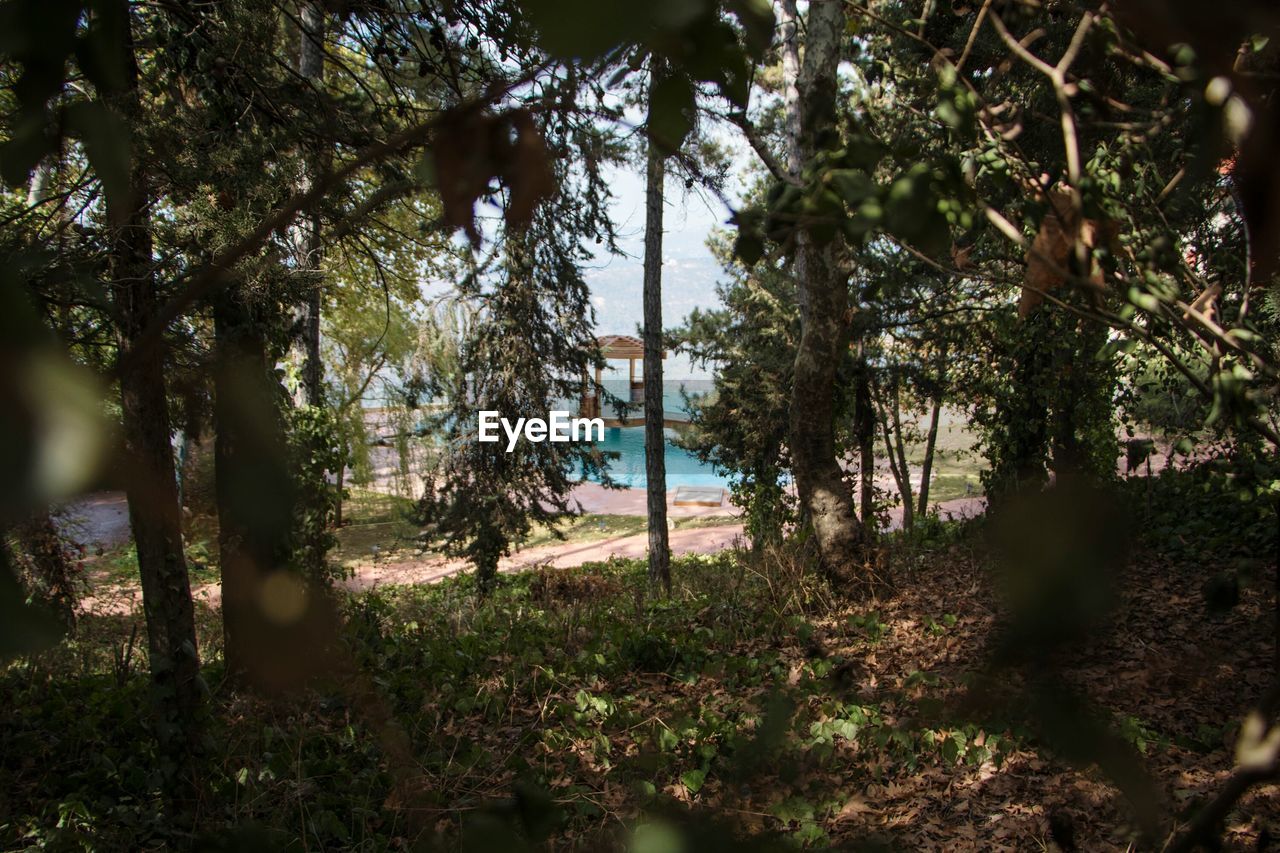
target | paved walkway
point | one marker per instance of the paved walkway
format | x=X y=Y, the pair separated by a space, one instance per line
x=99 y=520
x=560 y=555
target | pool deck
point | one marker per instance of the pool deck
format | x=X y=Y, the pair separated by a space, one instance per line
x=596 y=499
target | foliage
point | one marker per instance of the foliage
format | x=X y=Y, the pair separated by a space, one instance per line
x=317 y=457
x=530 y=348
x=1050 y=216
x=741 y=428
x=568 y=706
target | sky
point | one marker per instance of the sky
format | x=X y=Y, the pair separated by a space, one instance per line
x=689 y=272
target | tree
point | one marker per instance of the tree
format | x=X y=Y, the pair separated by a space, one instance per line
x=311 y=26
x=823 y=292
x=529 y=346
x=742 y=427
x=654 y=415
x=154 y=514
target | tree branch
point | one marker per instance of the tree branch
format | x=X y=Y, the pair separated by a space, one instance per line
x=762 y=151
x=212 y=277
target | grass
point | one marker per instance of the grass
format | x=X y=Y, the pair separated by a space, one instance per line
x=956 y=464
x=372 y=520
x=946 y=487
x=119 y=565
x=593 y=527
x=375 y=520
x=570 y=707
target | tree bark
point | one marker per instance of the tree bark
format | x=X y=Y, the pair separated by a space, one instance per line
x=789 y=33
x=311 y=69
x=864 y=428
x=151 y=481
x=930 y=445
x=825 y=496
x=654 y=417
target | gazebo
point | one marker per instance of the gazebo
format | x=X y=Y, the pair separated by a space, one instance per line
x=617 y=347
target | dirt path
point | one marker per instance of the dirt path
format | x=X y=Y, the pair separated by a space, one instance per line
x=562 y=555
x=699 y=540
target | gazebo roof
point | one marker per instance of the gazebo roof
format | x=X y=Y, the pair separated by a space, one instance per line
x=622 y=346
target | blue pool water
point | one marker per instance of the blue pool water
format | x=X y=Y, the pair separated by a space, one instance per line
x=683 y=468
x=673 y=392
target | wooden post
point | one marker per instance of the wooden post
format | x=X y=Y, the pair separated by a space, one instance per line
x=596 y=396
x=633 y=387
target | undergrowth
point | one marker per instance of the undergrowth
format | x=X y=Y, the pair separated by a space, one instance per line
x=573 y=709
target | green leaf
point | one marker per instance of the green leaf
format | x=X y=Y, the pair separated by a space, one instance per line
x=101 y=50
x=793 y=809
x=671 y=111
x=106 y=140
x=584 y=29
x=757 y=21
x=1145 y=301
x=853 y=185
x=23 y=628
x=749 y=247
x=656 y=838
x=693 y=780
x=424 y=170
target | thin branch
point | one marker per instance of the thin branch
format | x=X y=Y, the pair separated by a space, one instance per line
x=212 y=277
x=973 y=35
x=762 y=150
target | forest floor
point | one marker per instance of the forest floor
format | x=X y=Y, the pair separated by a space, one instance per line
x=751 y=702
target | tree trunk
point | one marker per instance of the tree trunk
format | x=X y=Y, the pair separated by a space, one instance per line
x=789 y=33
x=655 y=464
x=486 y=553
x=908 y=517
x=864 y=428
x=341 y=479
x=823 y=295
x=311 y=69
x=930 y=444
x=254 y=497
x=891 y=429
x=151 y=484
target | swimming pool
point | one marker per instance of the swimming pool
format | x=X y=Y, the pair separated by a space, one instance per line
x=683 y=468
